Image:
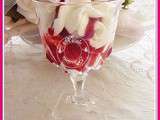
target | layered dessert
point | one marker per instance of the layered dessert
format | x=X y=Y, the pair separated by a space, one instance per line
x=78 y=36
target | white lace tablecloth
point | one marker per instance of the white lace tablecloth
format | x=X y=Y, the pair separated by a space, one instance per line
x=126 y=82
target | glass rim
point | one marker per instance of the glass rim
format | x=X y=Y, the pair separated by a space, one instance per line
x=76 y=3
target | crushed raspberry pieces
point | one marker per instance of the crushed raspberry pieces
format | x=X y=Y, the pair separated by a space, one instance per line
x=89 y=32
x=75 y=54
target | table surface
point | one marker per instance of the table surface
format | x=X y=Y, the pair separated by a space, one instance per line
x=126 y=82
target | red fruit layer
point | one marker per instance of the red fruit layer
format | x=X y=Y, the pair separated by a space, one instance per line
x=73 y=55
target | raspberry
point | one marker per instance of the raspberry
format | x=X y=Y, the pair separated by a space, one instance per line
x=51 y=43
x=72 y=51
x=89 y=32
x=75 y=53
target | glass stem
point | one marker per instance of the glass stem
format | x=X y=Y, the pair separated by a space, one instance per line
x=78 y=82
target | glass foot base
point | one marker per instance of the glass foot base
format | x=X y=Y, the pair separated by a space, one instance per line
x=80 y=100
x=68 y=108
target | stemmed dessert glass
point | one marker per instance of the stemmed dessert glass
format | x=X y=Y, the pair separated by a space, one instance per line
x=77 y=37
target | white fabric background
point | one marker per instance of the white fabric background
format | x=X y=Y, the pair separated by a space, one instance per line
x=125 y=83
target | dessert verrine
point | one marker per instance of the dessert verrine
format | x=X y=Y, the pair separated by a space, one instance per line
x=78 y=36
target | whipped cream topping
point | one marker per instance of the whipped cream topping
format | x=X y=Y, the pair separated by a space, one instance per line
x=105 y=30
x=75 y=19
x=45 y=13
